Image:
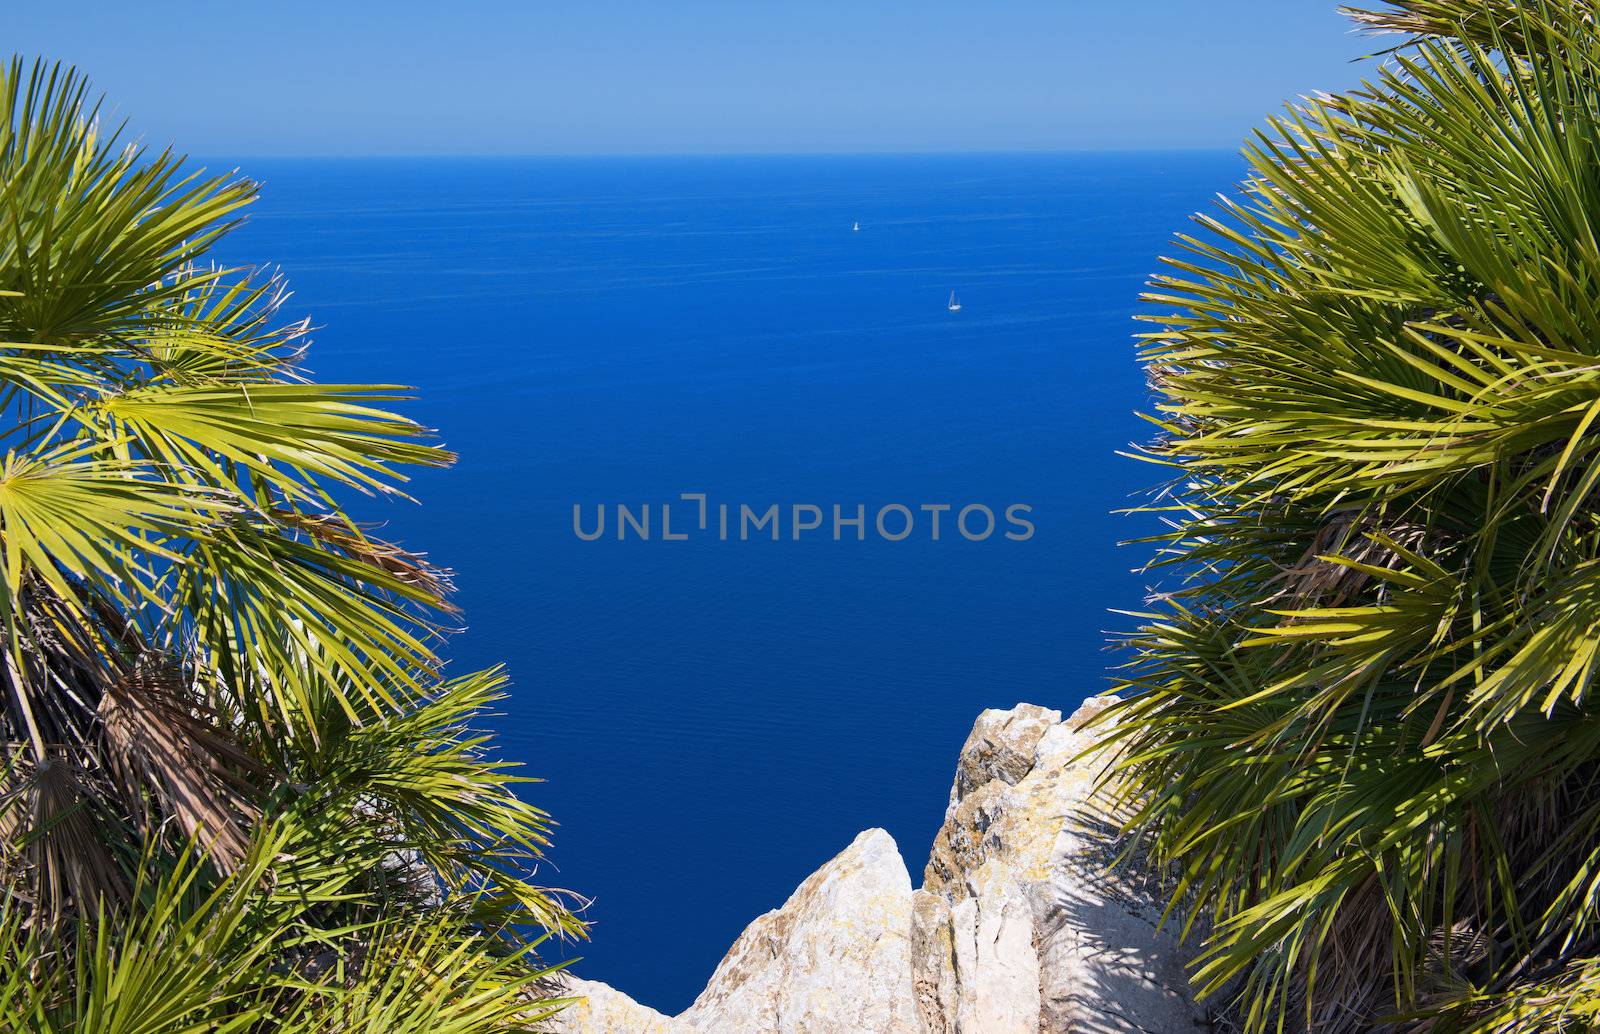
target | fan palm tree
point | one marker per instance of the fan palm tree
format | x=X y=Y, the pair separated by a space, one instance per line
x=1361 y=720
x=234 y=783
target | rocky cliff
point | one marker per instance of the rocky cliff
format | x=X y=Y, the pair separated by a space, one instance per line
x=1018 y=928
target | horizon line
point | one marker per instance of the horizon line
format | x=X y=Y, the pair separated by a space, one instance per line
x=559 y=155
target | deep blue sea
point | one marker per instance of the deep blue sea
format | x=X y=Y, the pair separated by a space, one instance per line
x=715 y=719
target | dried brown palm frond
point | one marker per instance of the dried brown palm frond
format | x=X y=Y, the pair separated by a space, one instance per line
x=1345 y=988
x=1519 y=26
x=159 y=737
x=1436 y=17
x=60 y=850
x=1336 y=564
x=408 y=567
x=133 y=753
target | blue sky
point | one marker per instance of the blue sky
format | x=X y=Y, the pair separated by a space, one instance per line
x=652 y=76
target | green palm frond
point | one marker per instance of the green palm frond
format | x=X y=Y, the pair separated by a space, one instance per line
x=283 y=435
x=68 y=516
x=237 y=792
x=436 y=979
x=1363 y=725
x=246 y=954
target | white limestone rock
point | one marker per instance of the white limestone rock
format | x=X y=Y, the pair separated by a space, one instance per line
x=835 y=957
x=1018 y=928
x=996 y=966
x=605 y=1010
x=1024 y=816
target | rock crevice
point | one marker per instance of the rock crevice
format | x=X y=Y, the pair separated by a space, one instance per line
x=1018 y=927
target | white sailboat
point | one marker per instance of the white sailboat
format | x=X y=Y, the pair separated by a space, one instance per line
x=954 y=305
x=855 y=228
